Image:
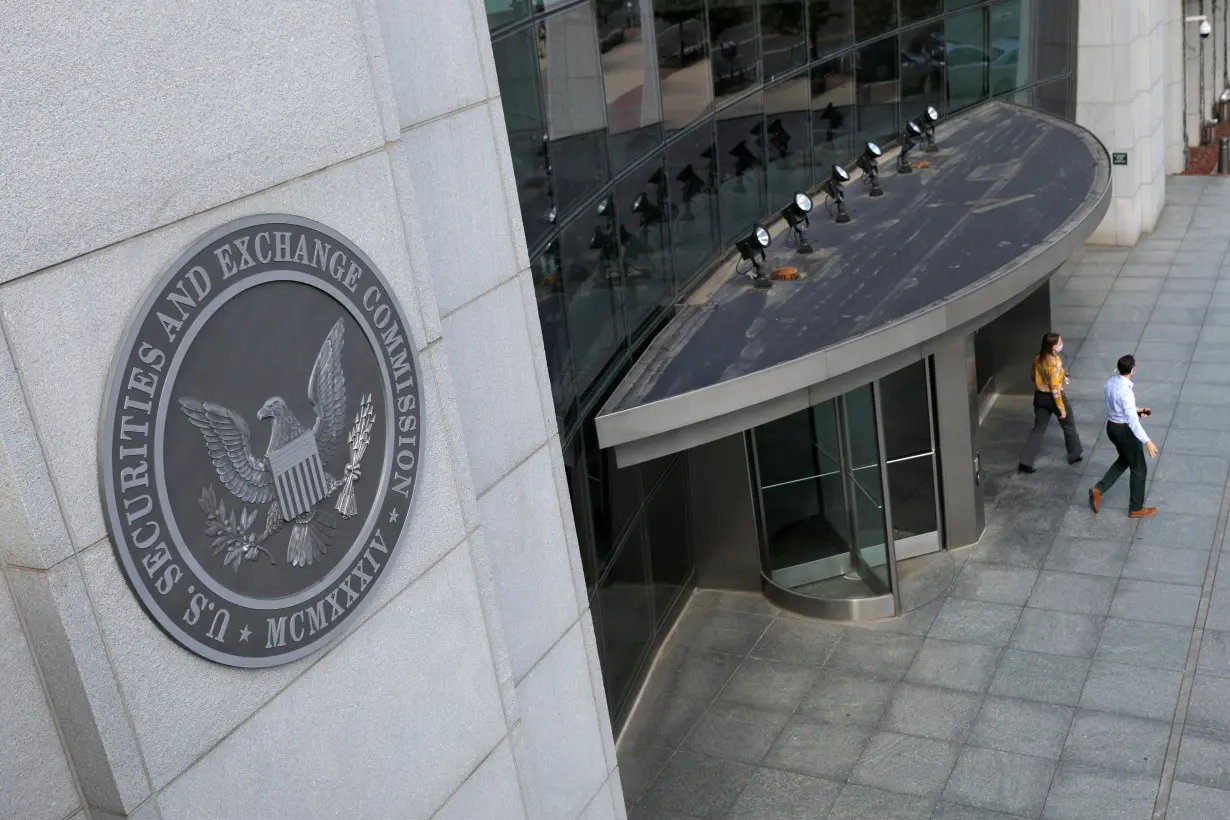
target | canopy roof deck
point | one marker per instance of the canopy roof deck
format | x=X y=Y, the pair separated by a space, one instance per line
x=1010 y=195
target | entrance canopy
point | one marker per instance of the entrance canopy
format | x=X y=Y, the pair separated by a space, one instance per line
x=1010 y=195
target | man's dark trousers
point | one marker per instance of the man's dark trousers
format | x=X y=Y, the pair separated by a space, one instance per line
x=1131 y=455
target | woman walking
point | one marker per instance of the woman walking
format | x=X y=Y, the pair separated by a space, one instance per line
x=1049 y=379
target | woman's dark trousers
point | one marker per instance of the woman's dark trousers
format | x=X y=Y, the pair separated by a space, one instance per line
x=1044 y=408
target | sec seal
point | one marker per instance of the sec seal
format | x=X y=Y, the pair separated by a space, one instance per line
x=260 y=441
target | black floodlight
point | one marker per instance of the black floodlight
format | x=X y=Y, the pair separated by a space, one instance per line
x=606 y=207
x=796 y=216
x=927 y=122
x=835 y=193
x=649 y=213
x=869 y=163
x=751 y=249
x=909 y=139
x=657 y=178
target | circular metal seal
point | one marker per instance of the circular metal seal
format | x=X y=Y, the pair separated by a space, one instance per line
x=260 y=440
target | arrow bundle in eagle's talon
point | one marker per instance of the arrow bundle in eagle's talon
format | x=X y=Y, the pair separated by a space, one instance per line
x=360 y=435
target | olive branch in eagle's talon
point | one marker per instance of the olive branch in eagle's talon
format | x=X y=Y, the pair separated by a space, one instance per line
x=360 y=436
x=229 y=533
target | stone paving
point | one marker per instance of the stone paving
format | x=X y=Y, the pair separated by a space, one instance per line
x=1076 y=667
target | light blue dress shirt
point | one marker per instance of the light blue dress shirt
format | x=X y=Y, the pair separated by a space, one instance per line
x=1121 y=405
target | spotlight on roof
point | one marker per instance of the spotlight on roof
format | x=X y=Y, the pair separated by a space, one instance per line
x=909 y=139
x=649 y=213
x=869 y=163
x=751 y=248
x=927 y=122
x=692 y=185
x=796 y=217
x=835 y=193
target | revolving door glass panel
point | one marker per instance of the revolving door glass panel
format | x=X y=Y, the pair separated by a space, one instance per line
x=819 y=473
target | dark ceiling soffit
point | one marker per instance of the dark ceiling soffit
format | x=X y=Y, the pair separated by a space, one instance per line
x=674 y=424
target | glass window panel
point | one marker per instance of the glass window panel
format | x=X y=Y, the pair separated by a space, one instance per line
x=1011 y=66
x=911 y=486
x=575 y=473
x=614 y=495
x=684 y=75
x=831 y=24
x=922 y=70
x=832 y=115
x=548 y=273
x=912 y=11
x=954 y=5
x=787 y=139
x=866 y=489
x=785 y=449
x=907 y=418
x=666 y=524
x=783 y=37
x=1053 y=39
x=627 y=621
x=517 y=68
x=643 y=203
x=630 y=77
x=735 y=48
x=1055 y=98
x=575 y=104
x=589 y=257
x=691 y=171
x=741 y=166
x=876 y=74
x=874 y=17
x=965 y=46
x=502 y=12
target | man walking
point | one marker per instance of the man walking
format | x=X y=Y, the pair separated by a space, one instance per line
x=1125 y=432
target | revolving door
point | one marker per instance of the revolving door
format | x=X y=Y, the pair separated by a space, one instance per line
x=830 y=479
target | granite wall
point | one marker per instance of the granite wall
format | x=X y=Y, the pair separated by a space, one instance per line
x=469 y=684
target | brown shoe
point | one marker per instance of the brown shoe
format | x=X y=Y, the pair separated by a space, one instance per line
x=1095 y=499
x=1143 y=512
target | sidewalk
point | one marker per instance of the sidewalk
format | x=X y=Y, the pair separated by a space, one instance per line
x=1077 y=667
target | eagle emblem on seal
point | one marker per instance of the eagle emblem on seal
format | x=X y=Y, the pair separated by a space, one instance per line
x=291 y=477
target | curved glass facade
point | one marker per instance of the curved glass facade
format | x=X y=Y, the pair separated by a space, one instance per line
x=646 y=137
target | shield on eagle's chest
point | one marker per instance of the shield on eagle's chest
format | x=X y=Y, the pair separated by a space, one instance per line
x=298 y=475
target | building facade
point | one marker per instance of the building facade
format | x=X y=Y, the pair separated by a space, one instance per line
x=545 y=185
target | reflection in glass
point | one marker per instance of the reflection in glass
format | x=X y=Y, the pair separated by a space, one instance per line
x=832 y=115
x=575 y=103
x=643 y=206
x=692 y=173
x=909 y=451
x=953 y=5
x=683 y=61
x=912 y=11
x=517 y=69
x=590 y=261
x=831 y=26
x=866 y=489
x=741 y=165
x=666 y=524
x=548 y=276
x=922 y=70
x=965 y=36
x=873 y=18
x=502 y=12
x=787 y=139
x=735 y=49
x=783 y=37
x=1010 y=65
x=878 y=91
x=1055 y=98
x=625 y=616
x=1053 y=38
x=630 y=77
